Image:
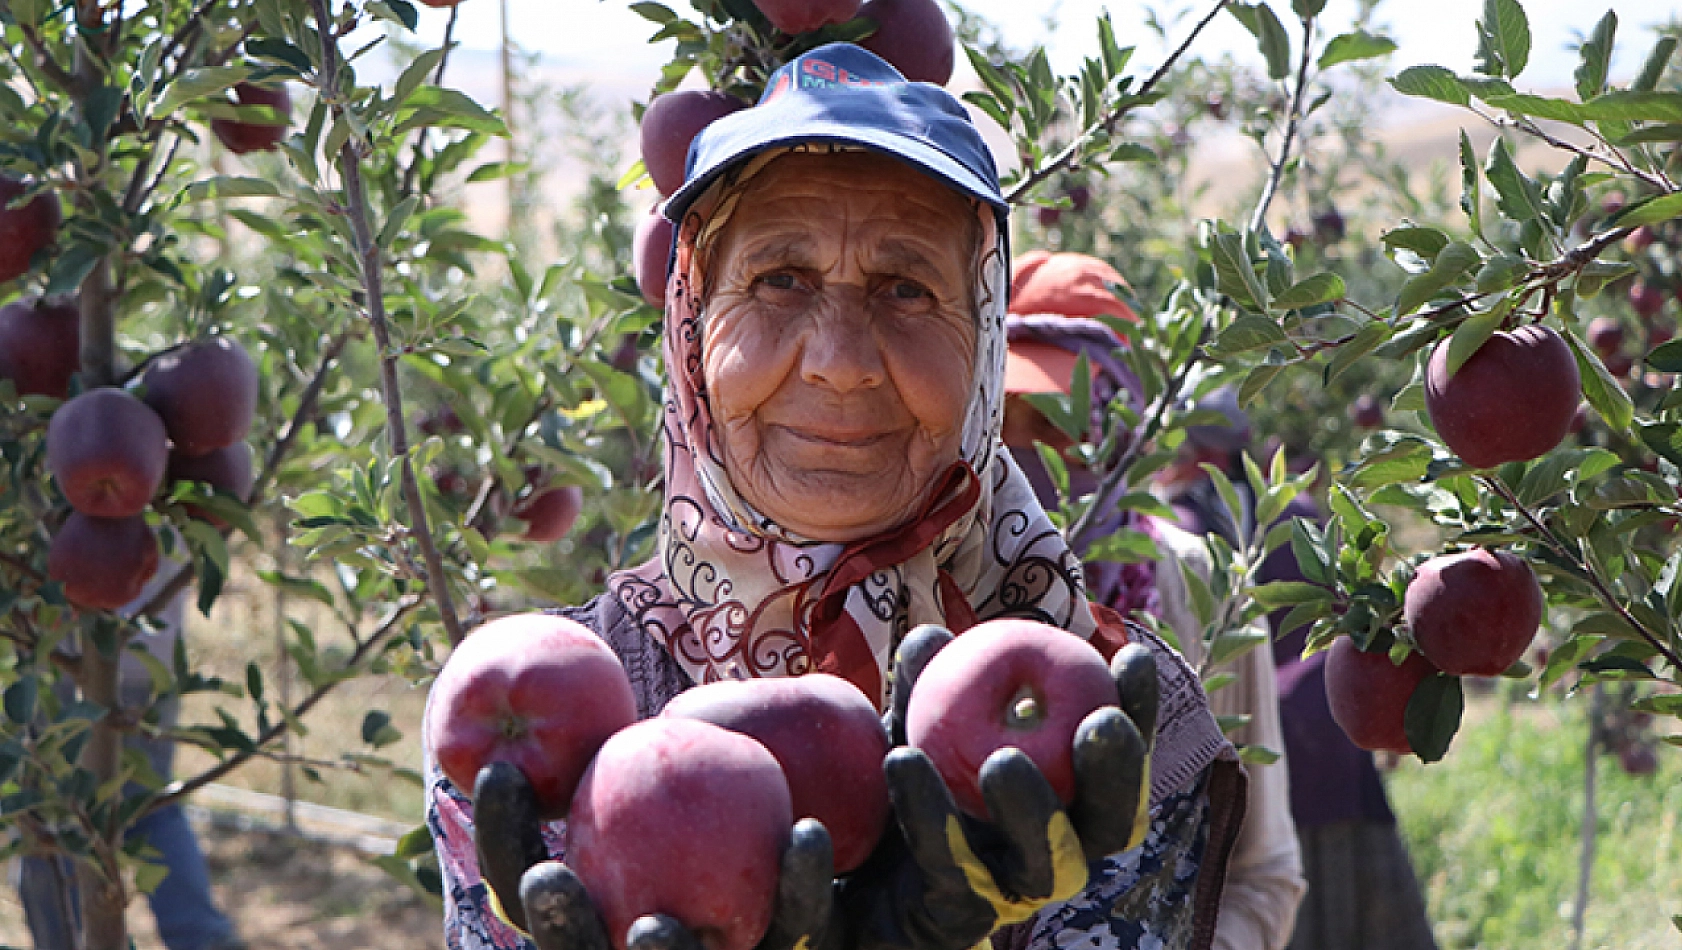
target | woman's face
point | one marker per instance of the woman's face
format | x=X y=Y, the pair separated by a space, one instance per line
x=840 y=341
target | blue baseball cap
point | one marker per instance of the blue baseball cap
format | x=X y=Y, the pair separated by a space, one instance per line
x=845 y=93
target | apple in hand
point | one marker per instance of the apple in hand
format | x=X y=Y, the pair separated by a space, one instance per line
x=915 y=38
x=24 y=230
x=539 y=691
x=1474 y=613
x=108 y=453
x=683 y=818
x=670 y=123
x=1512 y=401
x=39 y=346
x=241 y=136
x=804 y=16
x=1369 y=695
x=205 y=392
x=826 y=736
x=1006 y=682
x=103 y=563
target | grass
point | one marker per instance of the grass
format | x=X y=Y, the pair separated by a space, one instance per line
x=1494 y=831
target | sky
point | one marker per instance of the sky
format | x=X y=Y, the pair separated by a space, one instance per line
x=605 y=37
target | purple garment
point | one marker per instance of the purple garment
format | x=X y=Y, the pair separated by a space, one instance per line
x=1332 y=779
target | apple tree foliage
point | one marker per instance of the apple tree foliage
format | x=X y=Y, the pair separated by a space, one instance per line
x=398 y=347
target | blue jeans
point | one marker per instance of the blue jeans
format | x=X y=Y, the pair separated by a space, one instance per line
x=186 y=915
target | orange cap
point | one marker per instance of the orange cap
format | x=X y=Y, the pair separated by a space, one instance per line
x=1035 y=367
x=1072 y=285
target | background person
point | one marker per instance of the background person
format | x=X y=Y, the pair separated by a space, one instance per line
x=834 y=339
x=1053 y=301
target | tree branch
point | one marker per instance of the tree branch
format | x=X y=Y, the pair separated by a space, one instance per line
x=372 y=263
x=1108 y=123
x=1277 y=172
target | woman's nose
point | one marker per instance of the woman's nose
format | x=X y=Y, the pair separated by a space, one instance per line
x=839 y=351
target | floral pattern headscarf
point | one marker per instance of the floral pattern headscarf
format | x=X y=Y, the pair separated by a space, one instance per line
x=733 y=595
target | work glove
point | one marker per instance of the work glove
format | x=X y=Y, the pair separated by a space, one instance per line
x=943 y=880
x=545 y=900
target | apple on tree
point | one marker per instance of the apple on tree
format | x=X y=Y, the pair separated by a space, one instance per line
x=670 y=123
x=39 y=343
x=803 y=16
x=242 y=136
x=1006 y=682
x=24 y=229
x=1369 y=695
x=651 y=258
x=103 y=563
x=828 y=740
x=538 y=691
x=683 y=818
x=108 y=453
x=1474 y=613
x=549 y=513
x=205 y=392
x=915 y=38
x=1512 y=401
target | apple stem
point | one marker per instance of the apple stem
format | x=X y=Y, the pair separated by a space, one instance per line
x=1601 y=590
x=1025 y=710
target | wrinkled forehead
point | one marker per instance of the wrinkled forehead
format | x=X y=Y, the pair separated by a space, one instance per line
x=901 y=204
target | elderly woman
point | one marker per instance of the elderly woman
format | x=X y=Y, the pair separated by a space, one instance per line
x=835 y=345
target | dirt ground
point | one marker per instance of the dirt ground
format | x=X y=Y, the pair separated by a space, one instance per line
x=286 y=893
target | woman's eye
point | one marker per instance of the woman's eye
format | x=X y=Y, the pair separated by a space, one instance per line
x=781 y=281
x=910 y=290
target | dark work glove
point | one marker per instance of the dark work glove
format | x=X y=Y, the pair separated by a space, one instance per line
x=544 y=899
x=947 y=880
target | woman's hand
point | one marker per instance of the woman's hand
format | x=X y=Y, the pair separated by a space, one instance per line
x=545 y=900
x=949 y=880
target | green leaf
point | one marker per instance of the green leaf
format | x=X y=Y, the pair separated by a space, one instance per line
x=1655 y=65
x=1371 y=336
x=1501 y=272
x=991 y=77
x=1432 y=82
x=1233 y=274
x=654 y=12
x=377 y=729
x=1664 y=438
x=1433 y=715
x=1667 y=357
x=1635 y=107
x=1289 y=593
x=1471 y=184
x=1600 y=387
x=1318 y=289
x=1348 y=47
x=1503 y=40
x=1258 y=380
x=416 y=74
x=1596 y=58
x=1253 y=754
x=199 y=84
x=1426 y=242
x=20 y=700
x=1652 y=210
x=1270 y=35
x=1516 y=194
x=448 y=108
x=1453 y=262
x=1248 y=332
x=1541 y=107
x=227 y=186
x=1406 y=461
x=1473 y=333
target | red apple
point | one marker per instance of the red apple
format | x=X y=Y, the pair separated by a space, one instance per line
x=1618 y=364
x=241 y=136
x=1006 y=682
x=227 y=469
x=1369 y=695
x=549 y=513
x=108 y=453
x=205 y=392
x=1048 y=217
x=651 y=257
x=670 y=124
x=538 y=691
x=103 y=563
x=1646 y=299
x=826 y=736
x=24 y=230
x=915 y=38
x=1606 y=335
x=1512 y=401
x=1638 y=759
x=804 y=16
x=1367 y=412
x=682 y=818
x=39 y=346
x=1329 y=226
x=440 y=4
x=1474 y=613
